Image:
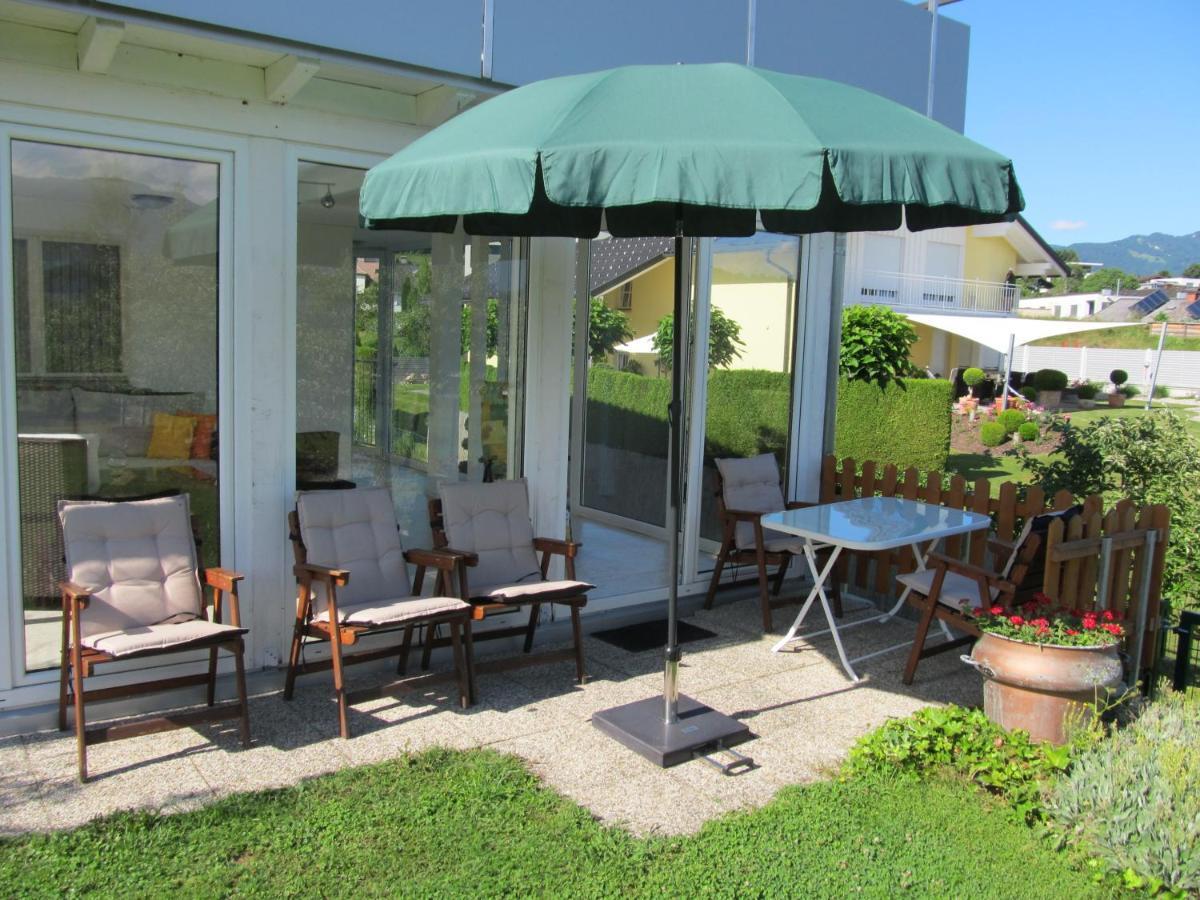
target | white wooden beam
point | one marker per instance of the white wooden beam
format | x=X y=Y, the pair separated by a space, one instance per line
x=438 y=104
x=97 y=42
x=286 y=76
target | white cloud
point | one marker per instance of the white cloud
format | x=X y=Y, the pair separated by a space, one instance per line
x=1068 y=224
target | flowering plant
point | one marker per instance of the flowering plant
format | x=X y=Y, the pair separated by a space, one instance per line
x=1038 y=622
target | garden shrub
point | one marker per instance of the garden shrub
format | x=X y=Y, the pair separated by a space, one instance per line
x=1161 y=391
x=973 y=376
x=875 y=345
x=992 y=434
x=1029 y=392
x=1011 y=419
x=968 y=742
x=1118 y=377
x=1132 y=800
x=1028 y=431
x=1049 y=380
x=1130 y=390
x=906 y=425
x=1087 y=390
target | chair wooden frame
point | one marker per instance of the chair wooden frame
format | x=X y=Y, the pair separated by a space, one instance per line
x=759 y=557
x=79 y=663
x=930 y=608
x=481 y=608
x=346 y=635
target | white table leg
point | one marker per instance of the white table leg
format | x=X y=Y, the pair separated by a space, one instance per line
x=921 y=557
x=818 y=588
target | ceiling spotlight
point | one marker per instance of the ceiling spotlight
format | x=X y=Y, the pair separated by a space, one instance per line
x=328 y=201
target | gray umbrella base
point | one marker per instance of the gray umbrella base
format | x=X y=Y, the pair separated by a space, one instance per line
x=699 y=730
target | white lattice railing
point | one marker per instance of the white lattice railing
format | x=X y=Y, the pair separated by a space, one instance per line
x=936 y=294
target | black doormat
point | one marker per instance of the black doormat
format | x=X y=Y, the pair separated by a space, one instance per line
x=650 y=635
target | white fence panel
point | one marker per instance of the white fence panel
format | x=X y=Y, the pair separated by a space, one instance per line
x=1180 y=368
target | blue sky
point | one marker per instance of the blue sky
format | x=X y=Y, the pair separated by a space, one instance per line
x=1097 y=103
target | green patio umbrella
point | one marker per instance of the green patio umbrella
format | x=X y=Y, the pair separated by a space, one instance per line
x=688 y=150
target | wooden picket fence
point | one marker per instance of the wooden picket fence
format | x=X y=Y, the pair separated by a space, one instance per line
x=1126 y=542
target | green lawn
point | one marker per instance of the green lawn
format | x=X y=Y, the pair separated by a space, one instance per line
x=1137 y=338
x=1002 y=467
x=451 y=824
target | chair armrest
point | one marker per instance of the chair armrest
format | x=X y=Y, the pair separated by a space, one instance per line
x=223 y=579
x=437 y=559
x=940 y=560
x=568 y=549
x=309 y=571
x=464 y=556
x=73 y=593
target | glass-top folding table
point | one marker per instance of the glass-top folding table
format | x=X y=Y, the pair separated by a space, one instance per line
x=869 y=524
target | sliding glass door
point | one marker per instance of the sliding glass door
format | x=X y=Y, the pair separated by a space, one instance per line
x=409 y=352
x=115 y=320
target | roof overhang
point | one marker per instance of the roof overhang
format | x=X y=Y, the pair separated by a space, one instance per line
x=996 y=332
x=1035 y=257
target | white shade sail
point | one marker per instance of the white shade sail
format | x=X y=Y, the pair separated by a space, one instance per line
x=996 y=331
x=644 y=344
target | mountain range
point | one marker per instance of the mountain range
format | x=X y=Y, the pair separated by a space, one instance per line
x=1144 y=254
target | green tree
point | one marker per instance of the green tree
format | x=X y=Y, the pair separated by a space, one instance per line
x=1075 y=273
x=366 y=322
x=875 y=344
x=1192 y=271
x=607 y=327
x=493 y=327
x=1108 y=279
x=724 y=340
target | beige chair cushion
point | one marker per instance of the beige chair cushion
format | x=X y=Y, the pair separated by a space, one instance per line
x=354 y=530
x=533 y=592
x=137 y=558
x=753 y=485
x=958 y=591
x=390 y=612
x=158 y=637
x=492 y=521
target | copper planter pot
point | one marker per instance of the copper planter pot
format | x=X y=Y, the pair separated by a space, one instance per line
x=1046 y=690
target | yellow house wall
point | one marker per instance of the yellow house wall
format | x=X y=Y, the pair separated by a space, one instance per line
x=763 y=311
x=987 y=259
x=922 y=351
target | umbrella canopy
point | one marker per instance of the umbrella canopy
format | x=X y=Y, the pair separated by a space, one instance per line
x=702 y=150
x=714 y=148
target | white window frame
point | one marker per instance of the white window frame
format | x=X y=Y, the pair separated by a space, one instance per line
x=231 y=154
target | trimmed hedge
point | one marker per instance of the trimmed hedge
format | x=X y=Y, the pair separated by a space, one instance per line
x=906 y=426
x=748 y=414
x=747 y=411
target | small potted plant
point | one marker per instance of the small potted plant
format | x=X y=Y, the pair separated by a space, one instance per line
x=1118 y=377
x=1049 y=384
x=1086 y=392
x=1046 y=669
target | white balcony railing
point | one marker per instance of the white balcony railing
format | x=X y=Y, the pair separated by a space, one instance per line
x=936 y=294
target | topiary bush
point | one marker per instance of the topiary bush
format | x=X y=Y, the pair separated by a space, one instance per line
x=1029 y=392
x=1049 y=380
x=1087 y=390
x=1011 y=419
x=1029 y=431
x=972 y=377
x=1132 y=800
x=905 y=425
x=992 y=434
x=1118 y=377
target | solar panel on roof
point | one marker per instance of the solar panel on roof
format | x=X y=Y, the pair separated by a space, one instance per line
x=1150 y=303
x=1193 y=309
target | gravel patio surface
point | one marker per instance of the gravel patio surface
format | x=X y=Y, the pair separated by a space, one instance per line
x=799 y=704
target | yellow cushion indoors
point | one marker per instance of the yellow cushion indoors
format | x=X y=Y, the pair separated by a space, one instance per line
x=171 y=436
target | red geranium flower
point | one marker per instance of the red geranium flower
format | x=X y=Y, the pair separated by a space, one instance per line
x=997 y=610
x=1072 y=631
x=1040 y=623
x=1107 y=615
x=1016 y=620
x=1113 y=628
x=1089 y=622
x=1042 y=599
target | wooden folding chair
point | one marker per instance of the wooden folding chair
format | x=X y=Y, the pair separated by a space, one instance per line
x=948 y=587
x=133 y=591
x=353 y=582
x=747 y=489
x=487 y=526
